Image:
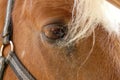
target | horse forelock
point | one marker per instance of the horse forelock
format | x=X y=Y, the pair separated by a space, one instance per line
x=89 y=14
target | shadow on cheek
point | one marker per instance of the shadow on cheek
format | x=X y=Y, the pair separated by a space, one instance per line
x=70 y=49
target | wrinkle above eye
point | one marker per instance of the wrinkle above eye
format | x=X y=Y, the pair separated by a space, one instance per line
x=48 y=16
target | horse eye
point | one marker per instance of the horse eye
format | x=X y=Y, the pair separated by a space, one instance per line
x=55 y=31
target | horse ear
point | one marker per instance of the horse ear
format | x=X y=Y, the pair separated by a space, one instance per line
x=115 y=2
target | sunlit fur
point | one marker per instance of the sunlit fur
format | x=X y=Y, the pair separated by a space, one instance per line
x=95 y=56
x=88 y=14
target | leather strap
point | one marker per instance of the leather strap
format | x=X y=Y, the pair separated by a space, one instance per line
x=2 y=67
x=12 y=60
x=7 y=31
x=19 y=69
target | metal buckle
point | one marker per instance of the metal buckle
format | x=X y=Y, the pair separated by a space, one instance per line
x=3 y=46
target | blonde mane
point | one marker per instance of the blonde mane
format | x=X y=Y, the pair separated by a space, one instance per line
x=88 y=14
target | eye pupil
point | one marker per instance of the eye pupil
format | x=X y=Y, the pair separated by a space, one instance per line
x=59 y=32
x=55 y=31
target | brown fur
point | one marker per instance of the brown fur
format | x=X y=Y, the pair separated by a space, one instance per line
x=50 y=62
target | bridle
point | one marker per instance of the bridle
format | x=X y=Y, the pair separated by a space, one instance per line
x=21 y=72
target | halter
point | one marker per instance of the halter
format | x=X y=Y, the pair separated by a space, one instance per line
x=21 y=72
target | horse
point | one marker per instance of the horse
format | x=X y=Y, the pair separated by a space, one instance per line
x=65 y=39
